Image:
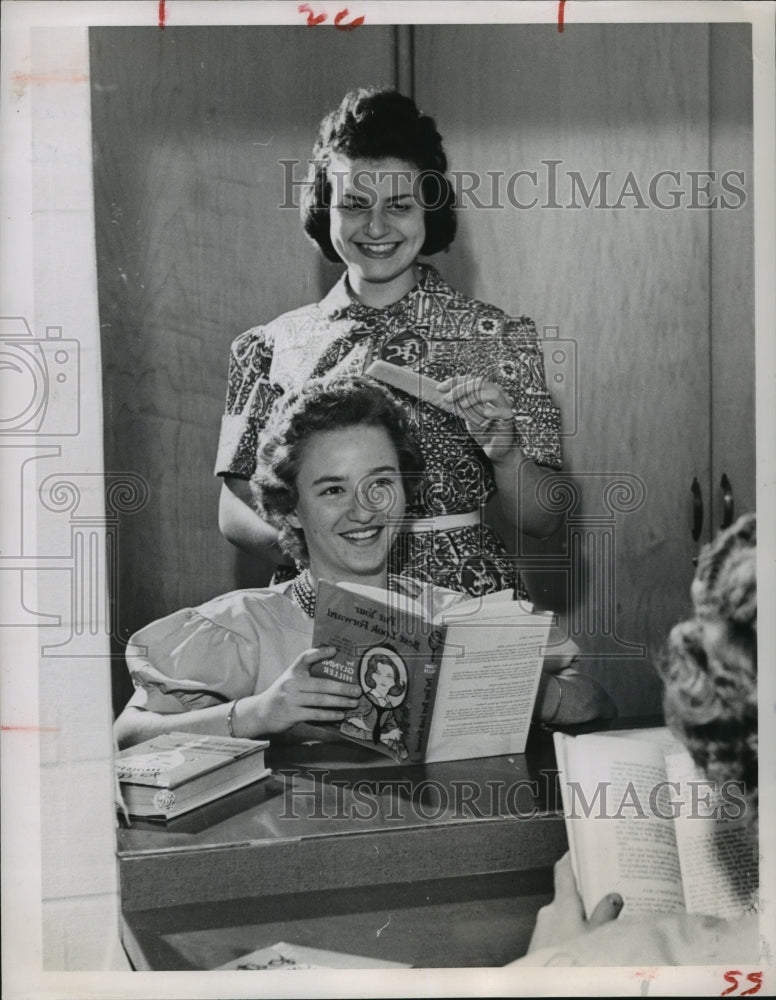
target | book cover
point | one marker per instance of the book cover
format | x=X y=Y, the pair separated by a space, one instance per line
x=172 y=759
x=447 y=683
x=390 y=650
x=175 y=772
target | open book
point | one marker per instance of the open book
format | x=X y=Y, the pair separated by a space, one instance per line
x=643 y=821
x=441 y=683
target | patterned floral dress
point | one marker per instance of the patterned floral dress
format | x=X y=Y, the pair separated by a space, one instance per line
x=435 y=331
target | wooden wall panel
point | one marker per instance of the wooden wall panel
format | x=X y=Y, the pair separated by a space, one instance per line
x=628 y=286
x=732 y=273
x=189 y=125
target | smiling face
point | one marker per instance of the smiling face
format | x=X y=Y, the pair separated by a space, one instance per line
x=377 y=225
x=351 y=499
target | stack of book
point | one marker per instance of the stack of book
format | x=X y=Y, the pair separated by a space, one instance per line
x=171 y=774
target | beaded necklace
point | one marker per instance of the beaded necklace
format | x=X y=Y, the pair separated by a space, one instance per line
x=303 y=591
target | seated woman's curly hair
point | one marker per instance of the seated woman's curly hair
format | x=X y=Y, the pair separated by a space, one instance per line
x=710 y=672
x=378 y=125
x=326 y=404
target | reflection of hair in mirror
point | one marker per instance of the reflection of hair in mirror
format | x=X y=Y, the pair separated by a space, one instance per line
x=380 y=125
x=710 y=672
x=323 y=405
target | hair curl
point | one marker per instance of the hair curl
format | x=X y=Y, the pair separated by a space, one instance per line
x=710 y=672
x=375 y=125
x=326 y=404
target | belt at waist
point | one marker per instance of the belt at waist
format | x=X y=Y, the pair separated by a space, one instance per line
x=442 y=522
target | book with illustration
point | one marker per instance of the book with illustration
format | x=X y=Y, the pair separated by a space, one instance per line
x=643 y=821
x=173 y=773
x=450 y=682
x=283 y=957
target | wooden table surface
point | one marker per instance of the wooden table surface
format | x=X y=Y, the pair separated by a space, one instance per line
x=441 y=865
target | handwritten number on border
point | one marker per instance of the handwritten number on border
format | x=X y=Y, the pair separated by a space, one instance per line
x=732 y=977
x=339 y=18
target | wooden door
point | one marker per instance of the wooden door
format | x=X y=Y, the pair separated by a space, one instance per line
x=732 y=281
x=621 y=294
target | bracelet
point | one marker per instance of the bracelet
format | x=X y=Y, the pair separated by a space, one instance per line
x=560 y=699
x=230 y=719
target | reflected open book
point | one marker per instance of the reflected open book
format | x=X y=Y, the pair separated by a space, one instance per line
x=643 y=821
x=446 y=682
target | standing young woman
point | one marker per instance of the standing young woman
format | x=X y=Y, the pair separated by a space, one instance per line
x=378 y=199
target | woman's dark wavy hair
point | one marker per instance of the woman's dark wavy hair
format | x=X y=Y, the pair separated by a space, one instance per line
x=375 y=660
x=326 y=404
x=710 y=672
x=375 y=125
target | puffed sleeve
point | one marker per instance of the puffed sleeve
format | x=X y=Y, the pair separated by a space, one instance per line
x=186 y=661
x=249 y=398
x=519 y=370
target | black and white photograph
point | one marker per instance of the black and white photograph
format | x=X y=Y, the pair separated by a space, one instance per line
x=386 y=403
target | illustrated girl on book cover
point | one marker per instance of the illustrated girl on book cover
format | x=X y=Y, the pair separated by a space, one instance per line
x=383 y=677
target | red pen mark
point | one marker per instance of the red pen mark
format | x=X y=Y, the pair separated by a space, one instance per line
x=561 y=11
x=646 y=976
x=162 y=14
x=20 y=81
x=29 y=729
x=340 y=17
x=312 y=17
x=55 y=76
x=732 y=977
x=757 y=979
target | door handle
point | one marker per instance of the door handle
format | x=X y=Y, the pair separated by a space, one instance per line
x=727 y=501
x=697 y=509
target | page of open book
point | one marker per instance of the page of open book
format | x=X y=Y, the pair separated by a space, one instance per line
x=718 y=852
x=615 y=799
x=487 y=686
x=436 y=604
x=658 y=736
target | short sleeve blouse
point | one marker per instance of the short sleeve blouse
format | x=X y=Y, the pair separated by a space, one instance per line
x=231 y=647
x=235 y=645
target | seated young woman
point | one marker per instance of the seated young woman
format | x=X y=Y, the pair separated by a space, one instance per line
x=710 y=702
x=337 y=462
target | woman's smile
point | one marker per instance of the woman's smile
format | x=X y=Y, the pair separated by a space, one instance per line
x=377 y=250
x=364 y=535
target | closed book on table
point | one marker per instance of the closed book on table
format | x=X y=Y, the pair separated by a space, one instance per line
x=176 y=772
